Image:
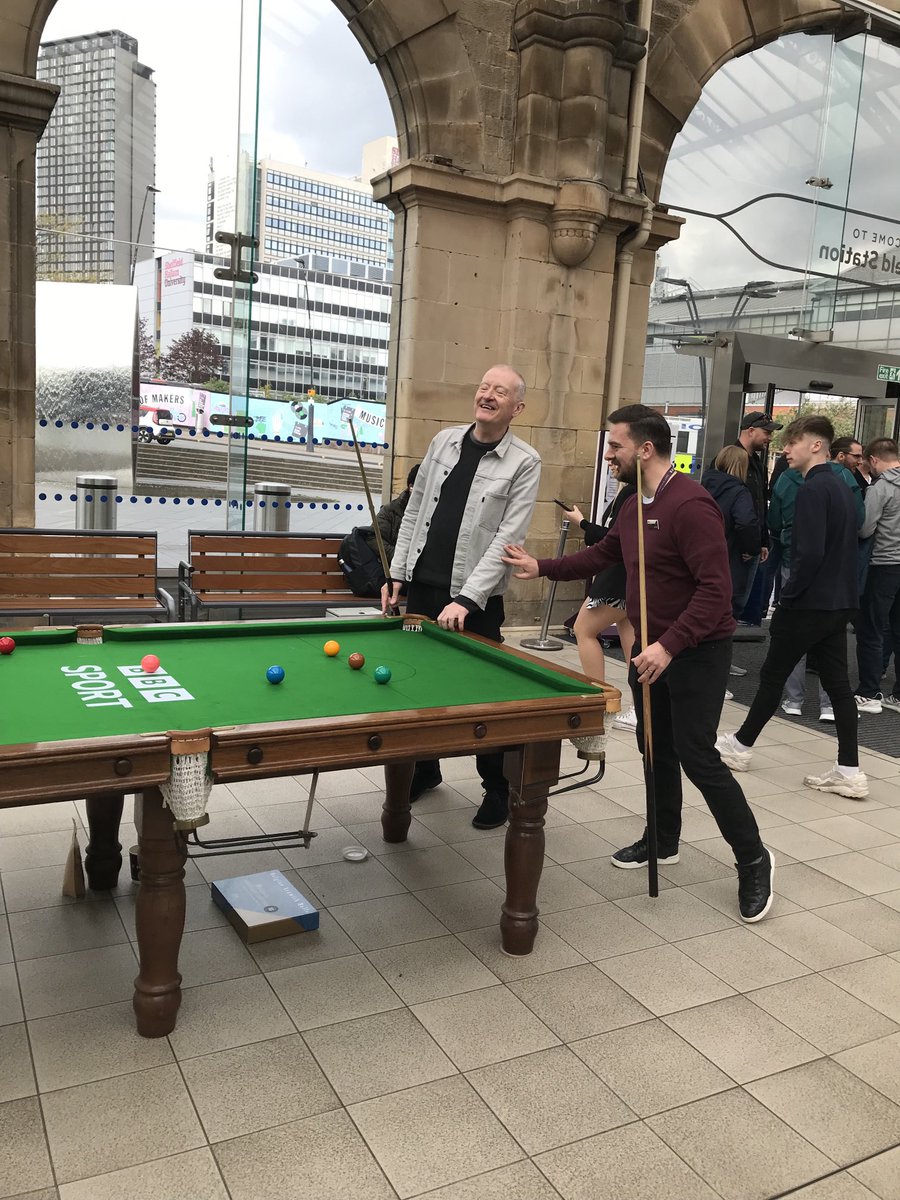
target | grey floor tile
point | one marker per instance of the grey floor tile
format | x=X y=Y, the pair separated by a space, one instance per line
x=154 y=1117
x=43 y=1194
x=192 y=1175
x=435 y=866
x=876 y=982
x=328 y=941
x=462 y=906
x=41 y=933
x=550 y=953
x=10 y=1002
x=38 y=818
x=601 y=930
x=722 y=894
x=39 y=887
x=812 y=941
x=67 y=982
x=200 y=911
x=428 y=970
x=560 y=889
x=742 y=1038
x=387 y=921
x=226 y=866
x=454 y=1135
x=809 y=887
x=578 y=1002
x=211 y=955
x=833 y=1109
x=612 y=883
x=16 y=1075
x=870 y=920
x=345 y=882
x=841 y=1186
x=549 y=1098
x=522 y=1181
x=36 y=850
x=376 y=1055
x=651 y=1067
x=218 y=1016
x=24 y=1160
x=880 y=1175
x=573 y=843
x=740 y=1148
x=487 y=855
x=878 y=1063
x=630 y=1163
x=860 y=871
x=664 y=979
x=888 y=855
x=854 y=834
x=459 y=1025
x=822 y=1013
x=695 y=865
x=801 y=843
x=371 y=835
x=322 y=1157
x=323 y=993
x=253 y=1087
x=455 y=825
x=96 y=1043
x=676 y=915
x=742 y=959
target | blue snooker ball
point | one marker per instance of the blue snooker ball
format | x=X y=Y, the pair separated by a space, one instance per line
x=275 y=674
x=382 y=674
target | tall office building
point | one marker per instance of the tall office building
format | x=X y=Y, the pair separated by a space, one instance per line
x=302 y=212
x=96 y=160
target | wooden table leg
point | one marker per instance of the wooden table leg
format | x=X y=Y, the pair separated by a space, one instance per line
x=532 y=771
x=159 y=916
x=395 y=814
x=103 y=856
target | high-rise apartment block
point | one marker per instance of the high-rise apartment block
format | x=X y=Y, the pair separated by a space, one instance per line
x=96 y=160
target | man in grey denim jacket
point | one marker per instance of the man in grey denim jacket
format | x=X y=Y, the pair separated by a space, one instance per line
x=475 y=492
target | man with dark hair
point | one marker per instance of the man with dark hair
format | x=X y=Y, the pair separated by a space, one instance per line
x=818 y=599
x=475 y=490
x=880 y=608
x=689 y=626
x=848 y=452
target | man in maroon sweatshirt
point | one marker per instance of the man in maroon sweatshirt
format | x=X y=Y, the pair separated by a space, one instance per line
x=689 y=626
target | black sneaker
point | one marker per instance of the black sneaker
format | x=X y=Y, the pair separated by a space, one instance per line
x=494 y=811
x=755 y=893
x=424 y=781
x=637 y=855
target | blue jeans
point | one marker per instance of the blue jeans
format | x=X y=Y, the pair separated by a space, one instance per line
x=880 y=607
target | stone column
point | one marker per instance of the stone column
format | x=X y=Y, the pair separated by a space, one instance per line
x=25 y=107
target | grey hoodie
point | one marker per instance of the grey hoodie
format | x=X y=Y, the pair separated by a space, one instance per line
x=883 y=518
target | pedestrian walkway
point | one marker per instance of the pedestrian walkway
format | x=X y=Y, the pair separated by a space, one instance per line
x=647 y=1049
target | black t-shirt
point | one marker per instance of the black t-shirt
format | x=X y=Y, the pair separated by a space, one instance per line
x=434 y=566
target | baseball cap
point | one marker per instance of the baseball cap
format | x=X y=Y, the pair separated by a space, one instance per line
x=758 y=420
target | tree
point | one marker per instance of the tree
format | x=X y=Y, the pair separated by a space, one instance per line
x=147 y=351
x=215 y=385
x=841 y=413
x=192 y=358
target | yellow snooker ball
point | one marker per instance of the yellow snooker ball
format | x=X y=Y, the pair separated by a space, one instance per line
x=332 y=648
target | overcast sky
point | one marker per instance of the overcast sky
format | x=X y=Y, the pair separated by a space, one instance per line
x=320 y=99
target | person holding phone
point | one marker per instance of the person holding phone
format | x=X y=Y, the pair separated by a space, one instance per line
x=605 y=602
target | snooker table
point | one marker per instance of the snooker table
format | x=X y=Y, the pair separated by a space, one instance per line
x=80 y=718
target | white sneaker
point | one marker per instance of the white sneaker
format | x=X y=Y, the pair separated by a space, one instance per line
x=827 y=713
x=869 y=704
x=729 y=695
x=733 y=755
x=791 y=708
x=854 y=788
x=892 y=702
x=627 y=719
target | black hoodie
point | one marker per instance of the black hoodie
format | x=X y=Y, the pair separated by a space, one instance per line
x=742 y=530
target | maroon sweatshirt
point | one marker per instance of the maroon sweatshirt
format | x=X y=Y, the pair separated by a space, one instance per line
x=688 y=576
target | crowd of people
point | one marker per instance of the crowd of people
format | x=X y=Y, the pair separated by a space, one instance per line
x=821 y=535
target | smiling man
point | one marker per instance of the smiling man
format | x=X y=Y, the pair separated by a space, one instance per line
x=689 y=625
x=475 y=491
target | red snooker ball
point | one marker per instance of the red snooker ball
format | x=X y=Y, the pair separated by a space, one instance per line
x=149 y=663
x=7 y=645
x=355 y=661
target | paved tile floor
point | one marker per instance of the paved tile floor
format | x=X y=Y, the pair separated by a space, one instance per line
x=647 y=1049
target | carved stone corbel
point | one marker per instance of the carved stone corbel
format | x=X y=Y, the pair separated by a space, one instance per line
x=578 y=215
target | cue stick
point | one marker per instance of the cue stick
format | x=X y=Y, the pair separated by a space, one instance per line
x=379 y=540
x=652 y=876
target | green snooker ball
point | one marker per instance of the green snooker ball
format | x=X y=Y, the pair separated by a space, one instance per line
x=382 y=674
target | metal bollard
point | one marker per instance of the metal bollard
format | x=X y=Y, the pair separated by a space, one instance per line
x=543 y=642
x=270 y=507
x=95 y=501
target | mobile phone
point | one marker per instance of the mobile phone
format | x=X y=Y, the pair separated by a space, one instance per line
x=562 y=504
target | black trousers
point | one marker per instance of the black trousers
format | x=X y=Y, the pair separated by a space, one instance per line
x=425 y=601
x=794 y=632
x=685 y=704
x=878 y=629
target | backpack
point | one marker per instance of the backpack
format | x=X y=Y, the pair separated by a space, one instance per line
x=360 y=563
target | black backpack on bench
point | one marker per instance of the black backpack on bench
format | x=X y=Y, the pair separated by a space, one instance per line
x=360 y=563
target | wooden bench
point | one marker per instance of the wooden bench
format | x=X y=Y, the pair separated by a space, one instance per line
x=233 y=569
x=64 y=573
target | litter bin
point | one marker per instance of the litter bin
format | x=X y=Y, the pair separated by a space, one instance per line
x=95 y=501
x=270 y=507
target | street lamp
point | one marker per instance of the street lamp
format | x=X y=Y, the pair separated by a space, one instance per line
x=694 y=313
x=137 y=240
x=763 y=288
x=303 y=264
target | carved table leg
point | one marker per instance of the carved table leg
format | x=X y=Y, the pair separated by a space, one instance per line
x=159 y=916
x=103 y=856
x=531 y=770
x=395 y=814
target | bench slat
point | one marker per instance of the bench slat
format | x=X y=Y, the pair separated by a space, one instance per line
x=33 y=567
x=76 y=605
x=236 y=600
x=29 y=542
x=249 y=582
x=248 y=543
x=86 y=587
x=235 y=563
